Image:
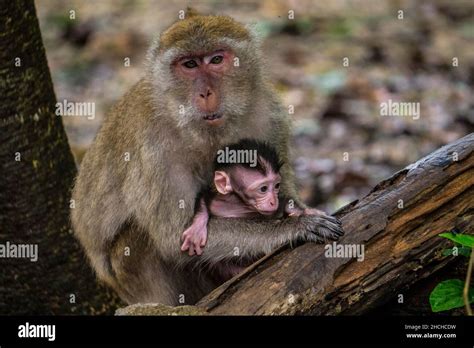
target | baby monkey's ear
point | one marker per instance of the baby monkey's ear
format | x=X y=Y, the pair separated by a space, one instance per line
x=222 y=182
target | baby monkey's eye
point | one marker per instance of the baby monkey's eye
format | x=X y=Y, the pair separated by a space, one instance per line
x=277 y=186
x=217 y=60
x=263 y=189
x=190 y=64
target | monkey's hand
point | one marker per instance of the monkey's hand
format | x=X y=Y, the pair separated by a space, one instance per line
x=319 y=228
x=294 y=211
x=194 y=238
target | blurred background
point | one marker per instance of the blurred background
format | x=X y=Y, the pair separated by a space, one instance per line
x=336 y=107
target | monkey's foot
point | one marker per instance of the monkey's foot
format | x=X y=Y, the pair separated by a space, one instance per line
x=194 y=239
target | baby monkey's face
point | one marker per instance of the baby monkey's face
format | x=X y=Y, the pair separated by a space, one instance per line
x=256 y=189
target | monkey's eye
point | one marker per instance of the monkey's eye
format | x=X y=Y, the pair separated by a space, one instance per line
x=263 y=189
x=190 y=64
x=277 y=186
x=216 y=60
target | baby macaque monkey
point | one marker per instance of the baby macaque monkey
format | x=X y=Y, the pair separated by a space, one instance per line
x=247 y=188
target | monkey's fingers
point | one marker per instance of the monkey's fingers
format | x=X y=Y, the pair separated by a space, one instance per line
x=312 y=211
x=197 y=248
x=185 y=245
x=335 y=226
x=333 y=219
x=293 y=211
x=185 y=234
x=327 y=235
x=328 y=228
x=204 y=240
x=330 y=232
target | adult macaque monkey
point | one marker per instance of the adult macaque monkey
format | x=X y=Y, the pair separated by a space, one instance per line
x=138 y=182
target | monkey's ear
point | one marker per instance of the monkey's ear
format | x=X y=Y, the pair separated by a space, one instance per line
x=222 y=182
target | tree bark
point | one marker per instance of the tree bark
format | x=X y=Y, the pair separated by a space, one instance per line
x=398 y=224
x=37 y=171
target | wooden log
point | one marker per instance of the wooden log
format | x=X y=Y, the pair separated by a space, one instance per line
x=397 y=223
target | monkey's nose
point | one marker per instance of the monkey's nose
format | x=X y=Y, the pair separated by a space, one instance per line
x=208 y=93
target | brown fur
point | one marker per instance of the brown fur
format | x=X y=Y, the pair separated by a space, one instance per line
x=212 y=27
x=138 y=204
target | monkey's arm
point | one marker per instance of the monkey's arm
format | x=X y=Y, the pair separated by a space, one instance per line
x=292 y=210
x=251 y=238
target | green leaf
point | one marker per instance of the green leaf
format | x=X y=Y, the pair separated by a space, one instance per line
x=463 y=239
x=464 y=251
x=447 y=252
x=448 y=295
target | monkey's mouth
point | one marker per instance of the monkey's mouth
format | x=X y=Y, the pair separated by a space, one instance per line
x=213 y=118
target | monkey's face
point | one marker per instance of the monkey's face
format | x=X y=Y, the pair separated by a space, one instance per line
x=256 y=189
x=205 y=68
x=203 y=74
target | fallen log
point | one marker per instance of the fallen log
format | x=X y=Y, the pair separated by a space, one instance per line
x=397 y=223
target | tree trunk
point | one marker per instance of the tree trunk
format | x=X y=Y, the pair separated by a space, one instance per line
x=37 y=171
x=397 y=223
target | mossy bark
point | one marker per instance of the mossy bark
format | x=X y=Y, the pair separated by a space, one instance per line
x=37 y=172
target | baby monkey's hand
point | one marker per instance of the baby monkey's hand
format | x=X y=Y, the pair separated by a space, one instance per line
x=195 y=236
x=194 y=239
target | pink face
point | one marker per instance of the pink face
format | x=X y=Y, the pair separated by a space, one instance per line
x=204 y=72
x=257 y=190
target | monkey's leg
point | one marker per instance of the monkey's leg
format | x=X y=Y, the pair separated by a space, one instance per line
x=142 y=275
